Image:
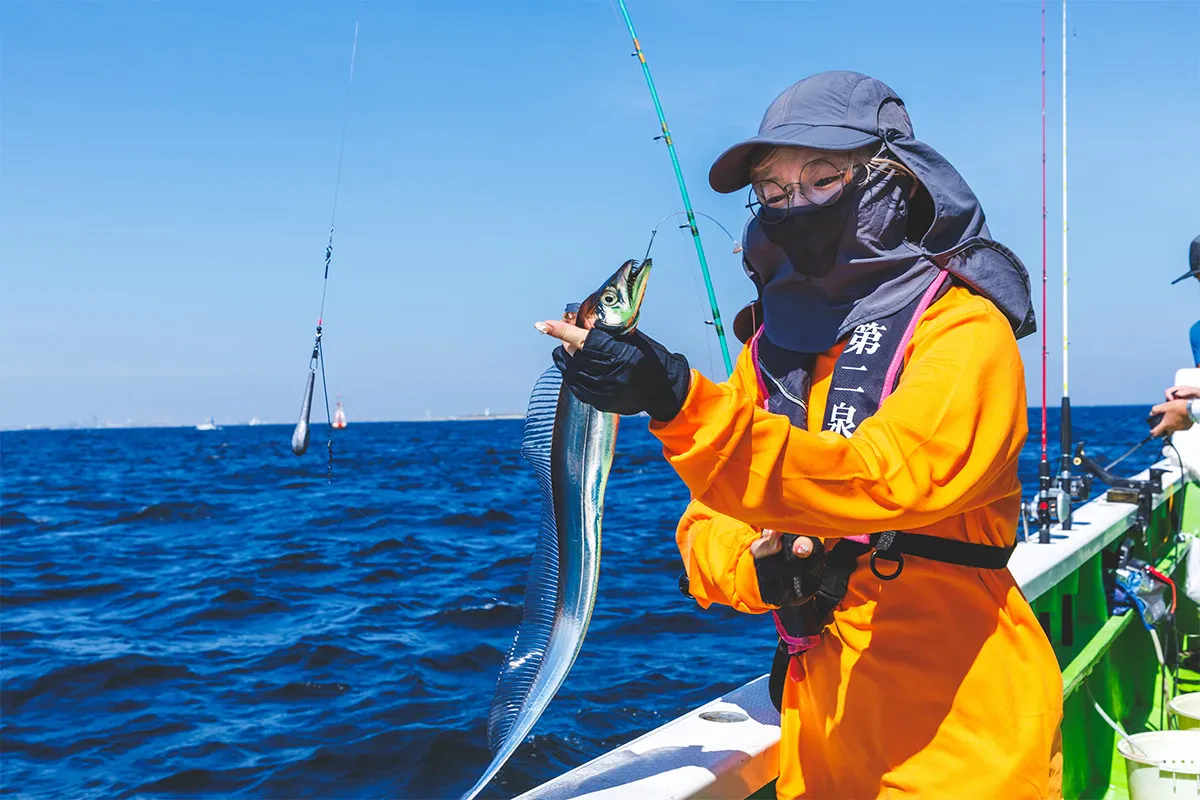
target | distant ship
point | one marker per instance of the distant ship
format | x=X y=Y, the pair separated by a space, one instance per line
x=339 y=416
x=255 y=421
x=211 y=425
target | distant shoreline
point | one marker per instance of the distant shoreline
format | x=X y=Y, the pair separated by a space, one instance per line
x=1053 y=410
x=191 y=426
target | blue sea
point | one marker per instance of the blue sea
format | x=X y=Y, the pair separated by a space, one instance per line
x=199 y=614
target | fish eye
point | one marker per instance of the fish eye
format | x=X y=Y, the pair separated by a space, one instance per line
x=609 y=298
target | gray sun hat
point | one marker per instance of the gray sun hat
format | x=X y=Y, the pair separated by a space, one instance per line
x=834 y=110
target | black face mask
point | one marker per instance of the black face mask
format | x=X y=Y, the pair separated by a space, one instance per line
x=810 y=235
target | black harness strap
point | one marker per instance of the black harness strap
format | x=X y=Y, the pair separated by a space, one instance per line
x=779 y=671
x=894 y=545
x=842 y=559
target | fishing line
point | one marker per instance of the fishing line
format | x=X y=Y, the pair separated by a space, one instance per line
x=737 y=248
x=300 y=436
x=712 y=362
x=370 y=522
x=318 y=355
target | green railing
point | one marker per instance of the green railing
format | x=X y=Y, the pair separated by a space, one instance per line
x=1111 y=659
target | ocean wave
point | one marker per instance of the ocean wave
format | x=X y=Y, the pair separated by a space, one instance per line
x=237 y=604
x=13 y=518
x=198 y=782
x=480 y=657
x=307 y=562
x=94 y=677
x=167 y=512
x=306 y=690
x=480 y=616
x=381 y=576
x=382 y=546
x=62 y=594
x=464 y=520
x=309 y=656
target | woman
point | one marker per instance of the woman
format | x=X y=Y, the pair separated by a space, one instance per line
x=872 y=427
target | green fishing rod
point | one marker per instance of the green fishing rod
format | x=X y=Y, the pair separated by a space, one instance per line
x=687 y=203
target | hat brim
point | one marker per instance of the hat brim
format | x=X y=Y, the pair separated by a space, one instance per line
x=731 y=170
x=1192 y=274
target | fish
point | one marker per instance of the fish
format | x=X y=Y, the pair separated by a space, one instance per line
x=571 y=447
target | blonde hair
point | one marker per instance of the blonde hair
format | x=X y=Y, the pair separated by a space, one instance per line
x=865 y=157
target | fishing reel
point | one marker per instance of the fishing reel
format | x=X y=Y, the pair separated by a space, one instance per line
x=1046 y=509
x=1052 y=504
x=1074 y=489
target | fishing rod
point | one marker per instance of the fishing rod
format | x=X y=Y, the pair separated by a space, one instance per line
x=687 y=203
x=1056 y=493
x=1075 y=489
x=300 y=435
x=1041 y=511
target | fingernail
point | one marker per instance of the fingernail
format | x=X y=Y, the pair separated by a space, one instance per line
x=541 y=326
x=801 y=547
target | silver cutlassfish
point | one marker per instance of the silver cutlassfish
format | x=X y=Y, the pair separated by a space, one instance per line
x=570 y=445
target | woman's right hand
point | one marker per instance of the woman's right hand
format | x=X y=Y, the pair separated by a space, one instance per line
x=769 y=543
x=787 y=579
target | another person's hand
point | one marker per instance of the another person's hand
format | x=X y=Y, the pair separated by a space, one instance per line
x=624 y=374
x=1176 y=415
x=1183 y=393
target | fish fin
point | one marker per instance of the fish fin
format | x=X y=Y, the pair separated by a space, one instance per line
x=524 y=661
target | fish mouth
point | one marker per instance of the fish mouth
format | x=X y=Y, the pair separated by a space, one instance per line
x=636 y=275
x=629 y=282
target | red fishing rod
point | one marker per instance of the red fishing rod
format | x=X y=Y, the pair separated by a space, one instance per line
x=1044 y=508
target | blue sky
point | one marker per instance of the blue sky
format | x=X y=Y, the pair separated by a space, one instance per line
x=167 y=171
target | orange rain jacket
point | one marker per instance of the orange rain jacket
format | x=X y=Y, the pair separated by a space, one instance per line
x=938 y=684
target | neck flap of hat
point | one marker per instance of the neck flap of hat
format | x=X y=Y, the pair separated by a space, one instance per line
x=810 y=315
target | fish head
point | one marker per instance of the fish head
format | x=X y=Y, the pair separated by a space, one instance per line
x=617 y=304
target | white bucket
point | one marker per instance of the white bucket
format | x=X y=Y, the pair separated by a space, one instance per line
x=1167 y=766
x=1186 y=708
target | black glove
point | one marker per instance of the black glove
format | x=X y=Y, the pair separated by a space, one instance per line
x=786 y=579
x=626 y=374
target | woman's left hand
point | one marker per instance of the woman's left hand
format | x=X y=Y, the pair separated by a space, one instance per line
x=624 y=374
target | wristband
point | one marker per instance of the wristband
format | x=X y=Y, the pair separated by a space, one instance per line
x=1193 y=408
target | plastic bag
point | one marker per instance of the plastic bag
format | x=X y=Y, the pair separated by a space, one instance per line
x=1137 y=588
